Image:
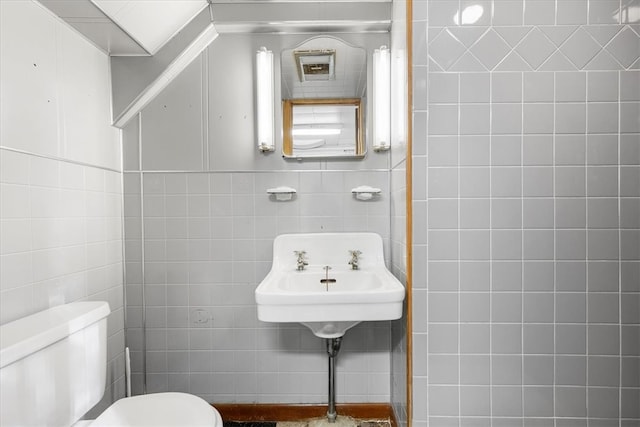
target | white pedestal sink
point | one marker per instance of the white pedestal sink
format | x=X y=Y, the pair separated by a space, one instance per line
x=329 y=301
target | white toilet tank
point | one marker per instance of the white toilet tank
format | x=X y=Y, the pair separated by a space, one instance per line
x=53 y=365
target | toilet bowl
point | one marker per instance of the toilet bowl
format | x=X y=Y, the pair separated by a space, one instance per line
x=159 y=409
x=53 y=368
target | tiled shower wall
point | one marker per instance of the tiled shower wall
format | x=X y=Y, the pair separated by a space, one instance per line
x=60 y=179
x=199 y=230
x=526 y=213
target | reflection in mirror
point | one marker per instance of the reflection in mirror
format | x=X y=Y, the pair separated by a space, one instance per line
x=324 y=67
x=322 y=128
x=324 y=86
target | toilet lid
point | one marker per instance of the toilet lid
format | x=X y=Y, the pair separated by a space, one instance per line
x=160 y=410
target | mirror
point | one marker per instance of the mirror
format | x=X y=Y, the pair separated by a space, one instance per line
x=324 y=86
x=322 y=128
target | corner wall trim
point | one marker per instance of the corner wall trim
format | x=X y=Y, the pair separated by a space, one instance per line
x=181 y=62
x=280 y=412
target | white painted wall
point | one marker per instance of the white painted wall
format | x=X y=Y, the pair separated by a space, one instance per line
x=60 y=175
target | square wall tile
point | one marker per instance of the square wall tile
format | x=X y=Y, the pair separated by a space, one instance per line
x=443 y=182
x=474 y=87
x=506 y=370
x=603 y=340
x=538 y=118
x=603 y=371
x=538 y=339
x=506 y=150
x=538 y=307
x=443 y=338
x=507 y=276
x=506 y=244
x=571 y=401
x=602 y=117
x=538 y=86
x=602 y=149
x=475 y=370
x=570 y=149
x=506 y=401
x=604 y=12
x=603 y=402
x=443 y=307
x=570 y=118
x=538 y=276
x=475 y=151
x=474 y=119
x=506 y=87
x=571 y=213
x=538 y=401
x=475 y=276
x=506 y=182
x=474 y=307
x=443 y=275
x=443 y=119
x=506 y=338
x=443 y=88
x=474 y=338
x=443 y=400
x=508 y=13
x=443 y=369
x=506 y=119
x=571 y=87
x=506 y=307
x=571 y=12
x=603 y=85
x=475 y=401
x=443 y=151
x=571 y=370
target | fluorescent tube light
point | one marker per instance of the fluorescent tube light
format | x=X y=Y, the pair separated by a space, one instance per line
x=381 y=99
x=264 y=95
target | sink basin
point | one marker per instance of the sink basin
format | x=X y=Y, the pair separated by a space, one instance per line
x=331 y=307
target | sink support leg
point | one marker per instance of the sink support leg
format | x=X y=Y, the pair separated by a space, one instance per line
x=333 y=346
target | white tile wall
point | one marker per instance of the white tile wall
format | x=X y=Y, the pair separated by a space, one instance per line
x=60 y=188
x=520 y=190
x=199 y=237
x=208 y=239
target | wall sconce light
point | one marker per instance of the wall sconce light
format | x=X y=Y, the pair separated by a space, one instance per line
x=381 y=99
x=264 y=95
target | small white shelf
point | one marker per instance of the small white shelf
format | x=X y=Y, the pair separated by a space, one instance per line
x=365 y=192
x=282 y=193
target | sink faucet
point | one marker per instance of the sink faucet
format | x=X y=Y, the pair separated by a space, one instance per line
x=354 y=259
x=302 y=259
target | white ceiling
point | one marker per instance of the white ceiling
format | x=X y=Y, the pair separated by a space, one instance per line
x=142 y=27
x=151 y=23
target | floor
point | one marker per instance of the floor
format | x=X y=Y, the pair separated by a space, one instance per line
x=313 y=422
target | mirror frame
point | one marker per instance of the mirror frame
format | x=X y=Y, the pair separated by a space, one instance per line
x=287 y=123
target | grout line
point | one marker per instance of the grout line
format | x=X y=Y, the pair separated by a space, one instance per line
x=620 y=373
x=59 y=159
x=522 y=257
x=586 y=255
x=491 y=260
x=555 y=261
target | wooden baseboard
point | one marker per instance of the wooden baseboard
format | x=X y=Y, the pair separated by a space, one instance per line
x=276 y=412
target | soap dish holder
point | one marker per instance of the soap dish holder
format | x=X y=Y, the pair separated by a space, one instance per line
x=364 y=192
x=282 y=193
